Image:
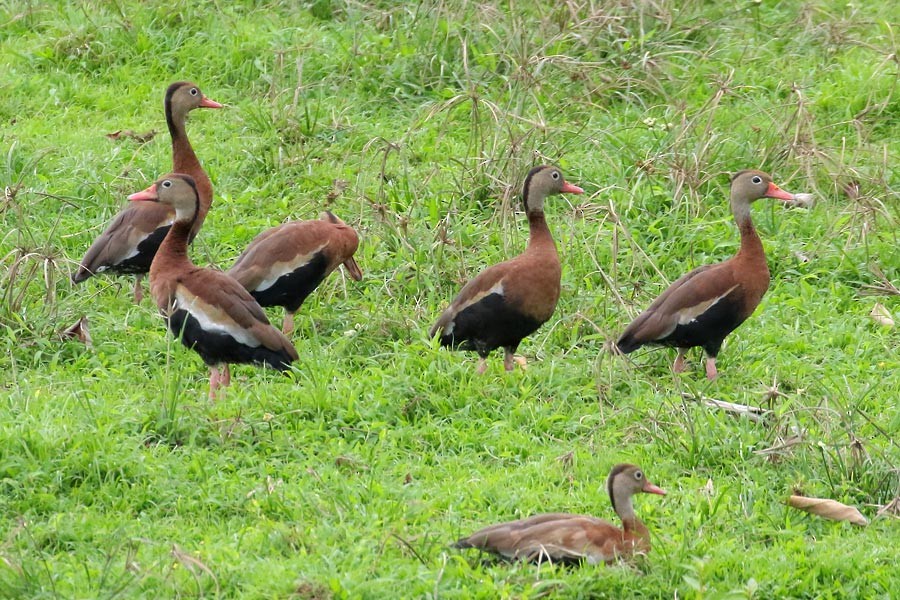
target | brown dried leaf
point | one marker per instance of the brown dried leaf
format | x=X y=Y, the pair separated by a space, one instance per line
x=828 y=509
x=141 y=138
x=78 y=331
x=881 y=315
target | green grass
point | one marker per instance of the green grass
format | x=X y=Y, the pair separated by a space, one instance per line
x=351 y=477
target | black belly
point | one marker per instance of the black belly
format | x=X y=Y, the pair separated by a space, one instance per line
x=217 y=347
x=291 y=289
x=488 y=324
x=709 y=329
x=146 y=250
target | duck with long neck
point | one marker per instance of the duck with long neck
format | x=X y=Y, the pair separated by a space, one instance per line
x=510 y=300
x=130 y=242
x=184 y=159
x=704 y=306
x=566 y=537
x=208 y=310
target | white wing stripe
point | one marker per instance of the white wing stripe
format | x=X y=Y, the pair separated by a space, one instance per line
x=690 y=314
x=195 y=308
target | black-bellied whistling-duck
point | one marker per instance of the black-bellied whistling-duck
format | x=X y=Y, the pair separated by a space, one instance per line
x=567 y=538
x=707 y=304
x=131 y=240
x=509 y=301
x=211 y=312
x=284 y=264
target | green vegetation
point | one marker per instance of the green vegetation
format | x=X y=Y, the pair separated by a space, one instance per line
x=416 y=123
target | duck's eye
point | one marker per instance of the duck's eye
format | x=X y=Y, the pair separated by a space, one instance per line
x=167 y=184
x=555 y=174
x=194 y=91
x=638 y=475
x=756 y=179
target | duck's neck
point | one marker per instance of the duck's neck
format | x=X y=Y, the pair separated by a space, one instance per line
x=539 y=236
x=172 y=252
x=184 y=160
x=751 y=245
x=630 y=523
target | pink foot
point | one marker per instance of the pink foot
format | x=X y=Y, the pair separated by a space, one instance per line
x=678 y=366
x=288 y=326
x=711 y=372
x=219 y=377
x=214 y=377
x=482 y=366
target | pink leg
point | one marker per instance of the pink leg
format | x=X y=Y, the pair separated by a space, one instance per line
x=214 y=377
x=138 y=288
x=678 y=367
x=508 y=361
x=711 y=372
x=288 y=326
x=482 y=366
x=219 y=377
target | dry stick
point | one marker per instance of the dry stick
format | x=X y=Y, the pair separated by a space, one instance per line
x=754 y=413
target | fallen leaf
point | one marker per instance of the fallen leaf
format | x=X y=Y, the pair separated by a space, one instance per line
x=142 y=138
x=881 y=315
x=828 y=509
x=78 y=331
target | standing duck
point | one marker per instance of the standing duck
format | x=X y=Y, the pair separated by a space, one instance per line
x=131 y=240
x=704 y=306
x=567 y=538
x=284 y=264
x=509 y=301
x=210 y=311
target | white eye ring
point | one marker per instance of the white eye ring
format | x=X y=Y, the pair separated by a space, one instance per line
x=555 y=175
x=166 y=184
x=756 y=179
x=638 y=475
x=194 y=91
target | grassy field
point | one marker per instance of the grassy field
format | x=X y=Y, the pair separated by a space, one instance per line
x=416 y=122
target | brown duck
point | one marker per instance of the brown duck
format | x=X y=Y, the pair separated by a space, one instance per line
x=283 y=265
x=210 y=311
x=510 y=300
x=704 y=306
x=130 y=242
x=568 y=538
